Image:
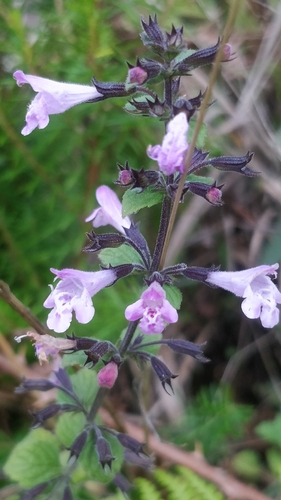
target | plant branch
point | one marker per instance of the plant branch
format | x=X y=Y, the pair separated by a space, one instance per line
x=24 y=312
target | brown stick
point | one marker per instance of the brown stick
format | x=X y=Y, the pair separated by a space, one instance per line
x=227 y=484
x=24 y=312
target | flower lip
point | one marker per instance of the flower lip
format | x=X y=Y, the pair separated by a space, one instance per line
x=109 y=212
x=260 y=294
x=153 y=310
x=52 y=98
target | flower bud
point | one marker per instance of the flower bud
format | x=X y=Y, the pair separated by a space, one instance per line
x=162 y=372
x=104 y=452
x=137 y=75
x=78 y=444
x=108 y=375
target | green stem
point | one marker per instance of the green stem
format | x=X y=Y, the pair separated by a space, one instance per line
x=102 y=392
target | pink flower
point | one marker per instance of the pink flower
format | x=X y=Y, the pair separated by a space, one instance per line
x=73 y=294
x=259 y=293
x=170 y=156
x=153 y=308
x=109 y=212
x=52 y=98
x=108 y=375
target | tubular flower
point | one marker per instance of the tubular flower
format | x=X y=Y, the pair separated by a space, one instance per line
x=153 y=308
x=170 y=156
x=52 y=98
x=46 y=345
x=109 y=212
x=259 y=293
x=73 y=294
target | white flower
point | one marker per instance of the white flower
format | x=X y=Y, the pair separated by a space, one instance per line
x=259 y=292
x=52 y=98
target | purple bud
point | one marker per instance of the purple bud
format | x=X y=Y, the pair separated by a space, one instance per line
x=125 y=178
x=64 y=379
x=137 y=75
x=152 y=35
x=35 y=491
x=104 y=452
x=34 y=385
x=186 y=347
x=101 y=241
x=112 y=89
x=78 y=445
x=162 y=372
x=130 y=443
x=67 y=494
x=141 y=461
x=211 y=192
x=175 y=37
x=97 y=351
x=198 y=58
x=50 y=411
x=121 y=482
x=232 y=164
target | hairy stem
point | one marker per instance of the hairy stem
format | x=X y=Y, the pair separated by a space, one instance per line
x=128 y=337
x=161 y=237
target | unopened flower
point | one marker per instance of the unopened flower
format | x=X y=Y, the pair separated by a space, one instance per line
x=109 y=212
x=259 y=292
x=153 y=308
x=108 y=375
x=52 y=98
x=170 y=156
x=74 y=294
x=46 y=345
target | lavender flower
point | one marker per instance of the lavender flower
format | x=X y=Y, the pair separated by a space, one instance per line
x=259 y=293
x=73 y=294
x=170 y=156
x=109 y=212
x=52 y=98
x=153 y=308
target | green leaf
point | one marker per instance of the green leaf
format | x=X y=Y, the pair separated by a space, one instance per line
x=134 y=200
x=247 y=464
x=85 y=386
x=121 y=255
x=274 y=462
x=74 y=358
x=199 y=178
x=201 y=136
x=35 y=459
x=270 y=430
x=68 y=426
x=173 y=295
x=89 y=460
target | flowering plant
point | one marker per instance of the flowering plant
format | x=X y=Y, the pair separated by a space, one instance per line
x=125 y=251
